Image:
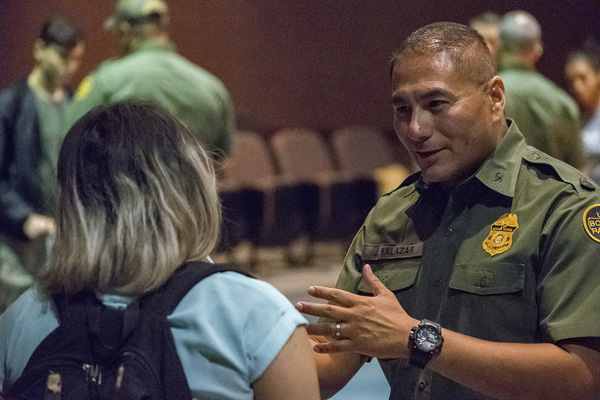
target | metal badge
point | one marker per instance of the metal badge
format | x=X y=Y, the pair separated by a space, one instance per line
x=500 y=238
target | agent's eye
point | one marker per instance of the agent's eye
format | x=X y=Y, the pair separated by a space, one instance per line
x=402 y=110
x=436 y=105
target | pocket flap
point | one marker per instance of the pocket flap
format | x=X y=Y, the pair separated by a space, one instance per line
x=393 y=277
x=488 y=279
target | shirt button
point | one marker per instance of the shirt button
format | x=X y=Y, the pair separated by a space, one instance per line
x=449 y=232
x=483 y=282
x=437 y=283
x=422 y=385
x=535 y=156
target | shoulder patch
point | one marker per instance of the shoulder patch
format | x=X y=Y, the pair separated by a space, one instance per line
x=591 y=222
x=84 y=89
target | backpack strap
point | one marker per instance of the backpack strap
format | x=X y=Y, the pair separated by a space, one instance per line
x=164 y=300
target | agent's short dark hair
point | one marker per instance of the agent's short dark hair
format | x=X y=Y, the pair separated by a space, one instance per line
x=136 y=198
x=590 y=53
x=465 y=47
x=62 y=32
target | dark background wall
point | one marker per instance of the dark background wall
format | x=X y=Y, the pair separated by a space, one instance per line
x=313 y=63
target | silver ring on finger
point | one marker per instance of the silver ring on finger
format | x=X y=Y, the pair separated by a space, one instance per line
x=338 y=330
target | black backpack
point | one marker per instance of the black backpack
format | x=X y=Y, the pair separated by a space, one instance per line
x=102 y=353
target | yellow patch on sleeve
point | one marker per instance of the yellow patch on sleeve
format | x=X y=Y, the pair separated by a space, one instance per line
x=591 y=222
x=84 y=89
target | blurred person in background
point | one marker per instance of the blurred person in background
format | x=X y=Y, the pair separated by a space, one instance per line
x=546 y=114
x=487 y=25
x=151 y=70
x=32 y=125
x=583 y=73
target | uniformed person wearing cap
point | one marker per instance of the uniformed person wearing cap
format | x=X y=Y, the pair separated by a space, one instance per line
x=151 y=70
x=479 y=276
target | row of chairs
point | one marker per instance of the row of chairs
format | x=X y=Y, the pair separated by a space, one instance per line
x=298 y=184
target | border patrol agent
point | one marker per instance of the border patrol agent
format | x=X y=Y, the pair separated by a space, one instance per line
x=478 y=277
x=152 y=71
x=547 y=115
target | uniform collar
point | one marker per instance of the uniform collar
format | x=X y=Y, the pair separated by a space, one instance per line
x=499 y=172
x=156 y=44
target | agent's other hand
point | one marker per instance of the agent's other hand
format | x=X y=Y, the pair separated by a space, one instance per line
x=374 y=326
x=37 y=225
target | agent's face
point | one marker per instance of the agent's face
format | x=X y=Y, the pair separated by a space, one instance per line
x=448 y=123
x=585 y=84
x=59 y=64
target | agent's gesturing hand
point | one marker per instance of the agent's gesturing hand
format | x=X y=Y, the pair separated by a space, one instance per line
x=374 y=326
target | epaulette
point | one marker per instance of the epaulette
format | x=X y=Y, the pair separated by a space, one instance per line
x=558 y=169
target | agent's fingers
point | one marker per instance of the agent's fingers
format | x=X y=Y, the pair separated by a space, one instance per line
x=334 y=329
x=374 y=283
x=335 y=346
x=337 y=296
x=322 y=310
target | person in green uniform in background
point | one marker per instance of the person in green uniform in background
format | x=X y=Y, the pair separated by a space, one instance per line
x=32 y=123
x=546 y=114
x=151 y=70
x=478 y=277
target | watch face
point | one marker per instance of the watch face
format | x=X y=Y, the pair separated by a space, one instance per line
x=427 y=338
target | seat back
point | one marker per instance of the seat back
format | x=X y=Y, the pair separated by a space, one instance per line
x=361 y=150
x=301 y=153
x=251 y=160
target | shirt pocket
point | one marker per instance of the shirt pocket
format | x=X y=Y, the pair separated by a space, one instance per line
x=394 y=276
x=488 y=279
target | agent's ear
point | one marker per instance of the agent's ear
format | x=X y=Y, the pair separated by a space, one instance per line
x=38 y=49
x=497 y=96
x=123 y=28
x=539 y=50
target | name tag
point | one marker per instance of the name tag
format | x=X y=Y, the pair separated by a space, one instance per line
x=392 y=251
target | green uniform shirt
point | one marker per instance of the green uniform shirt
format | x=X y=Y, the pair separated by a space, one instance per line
x=510 y=255
x=156 y=73
x=51 y=116
x=546 y=114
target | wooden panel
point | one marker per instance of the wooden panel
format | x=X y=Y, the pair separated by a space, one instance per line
x=314 y=63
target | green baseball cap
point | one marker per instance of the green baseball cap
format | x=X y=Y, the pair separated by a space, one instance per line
x=134 y=11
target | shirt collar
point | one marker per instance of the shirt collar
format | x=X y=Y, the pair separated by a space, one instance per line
x=159 y=43
x=499 y=172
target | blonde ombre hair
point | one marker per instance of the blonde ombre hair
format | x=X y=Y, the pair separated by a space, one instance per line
x=136 y=199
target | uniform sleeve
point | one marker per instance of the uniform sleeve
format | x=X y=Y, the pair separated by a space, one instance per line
x=225 y=137
x=351 y=274
x=228 y=329
x=569 y=289
x=89 y=94
x=571 y=141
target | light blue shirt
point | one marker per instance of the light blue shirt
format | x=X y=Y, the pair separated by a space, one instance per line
x=227 y=330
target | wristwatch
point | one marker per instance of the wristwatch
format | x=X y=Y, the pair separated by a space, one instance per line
x=425 y=340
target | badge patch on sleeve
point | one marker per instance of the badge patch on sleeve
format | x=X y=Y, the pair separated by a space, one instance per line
x=500 y=238
x=84 y=89
x=591 y=221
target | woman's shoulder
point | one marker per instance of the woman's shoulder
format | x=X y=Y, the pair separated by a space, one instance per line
x=234 y=289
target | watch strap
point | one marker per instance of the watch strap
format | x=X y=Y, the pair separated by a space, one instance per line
x=419 y=358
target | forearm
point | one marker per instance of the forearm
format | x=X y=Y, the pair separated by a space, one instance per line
x=517 y=371
x=335 y=370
